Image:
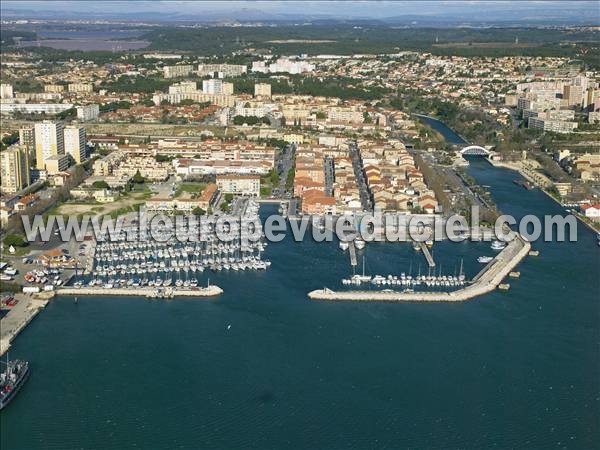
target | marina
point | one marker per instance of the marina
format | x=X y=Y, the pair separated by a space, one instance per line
x=165 y=267
x=486 y=281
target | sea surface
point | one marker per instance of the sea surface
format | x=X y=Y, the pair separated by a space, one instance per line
x=264 y=367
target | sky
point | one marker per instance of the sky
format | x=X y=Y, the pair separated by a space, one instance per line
x=326 y=9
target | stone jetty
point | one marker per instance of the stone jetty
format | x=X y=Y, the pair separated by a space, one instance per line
x=486 y=281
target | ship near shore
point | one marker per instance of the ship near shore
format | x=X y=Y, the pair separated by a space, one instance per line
x=12 y=379
x=524 y=184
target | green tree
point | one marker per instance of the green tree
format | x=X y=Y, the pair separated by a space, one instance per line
x=15 y=240
x=197 y=211
x=138 y=178
x=100 y=184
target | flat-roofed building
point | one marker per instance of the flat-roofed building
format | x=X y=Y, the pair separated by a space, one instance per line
x=180 y=70
x=87 y=113
x=239 y=184
x=262 y=90
x=80 y=87
x=27 y=140
x=14 y=169
x=56 y=164
x=74 y=141
x=49 y=142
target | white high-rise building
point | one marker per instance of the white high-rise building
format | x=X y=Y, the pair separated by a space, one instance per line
x=75 y=143
x=49 y=142
x=14 y=169
x=6 y=91
x=212 y=86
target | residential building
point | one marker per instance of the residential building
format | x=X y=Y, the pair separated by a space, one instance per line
x=227 y=88
x=239 y=184
x=212 y=86
x=221 y=70
x=262 y=90
x=56 y=164
x=14 y=169
x=74 y=142
x=6 y=91
x=54 y=88
x=80 y=87
x=591 y=211
x=557 y=126
x=177 y=71
x=184 y=86
x=27 y=140
x=49 y=142
x=34 y=108
x=87 y=113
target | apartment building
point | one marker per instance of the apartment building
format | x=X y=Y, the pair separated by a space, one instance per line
x=221 y=70
x=80 y=87
x=262 y=90
x=6 y=91
x=14 y=169
x=87 y=113
x=177 y=71
x=239 y=184
x=49 y=142
x=74 y=142
x=54 y=88
x=27 y=140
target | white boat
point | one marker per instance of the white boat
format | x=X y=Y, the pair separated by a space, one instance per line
x=359 y=243
x=498 y=245
x=344 y=245
x=484 y=259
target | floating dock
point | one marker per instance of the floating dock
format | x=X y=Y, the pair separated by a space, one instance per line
x=352 y=252
x=427 y=253
x=486 y=281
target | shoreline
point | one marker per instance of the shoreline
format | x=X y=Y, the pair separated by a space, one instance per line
x=486 y=281
x=19 y=317
x=521 y=172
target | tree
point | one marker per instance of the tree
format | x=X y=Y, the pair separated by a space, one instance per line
x=138 y=178
x=15 y=240
x=228 y=198
x=197 y=211
x=100 y=184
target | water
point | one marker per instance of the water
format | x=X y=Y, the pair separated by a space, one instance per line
x=448 y=134
x=515 y=369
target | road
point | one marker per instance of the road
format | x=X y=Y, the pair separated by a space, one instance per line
x=283 y=164
x=365 y=197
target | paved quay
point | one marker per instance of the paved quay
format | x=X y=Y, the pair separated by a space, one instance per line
x=487 y=281
x=209 y=291
x=19 y=317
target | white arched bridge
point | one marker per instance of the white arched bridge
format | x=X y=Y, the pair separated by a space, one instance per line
x=474 y=150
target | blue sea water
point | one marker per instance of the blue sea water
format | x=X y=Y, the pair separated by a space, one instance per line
x=516 y=369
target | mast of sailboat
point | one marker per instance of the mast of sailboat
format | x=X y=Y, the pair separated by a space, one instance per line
x=460 y=273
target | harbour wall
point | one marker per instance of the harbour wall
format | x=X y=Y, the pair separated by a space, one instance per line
x=210 y=291
x=19 y=317
x=486 y=282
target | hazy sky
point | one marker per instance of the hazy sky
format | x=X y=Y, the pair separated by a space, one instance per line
x=345 y=9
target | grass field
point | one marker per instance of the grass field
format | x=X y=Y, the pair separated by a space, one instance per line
x=190 y=188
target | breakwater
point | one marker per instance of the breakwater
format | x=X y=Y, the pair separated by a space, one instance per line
x=209 y=291
x=19 y=317
x=486 y=281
